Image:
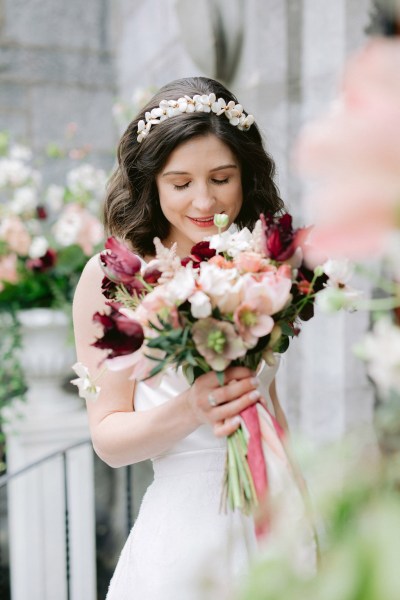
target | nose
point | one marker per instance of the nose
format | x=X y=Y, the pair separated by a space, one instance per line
x=204 y=199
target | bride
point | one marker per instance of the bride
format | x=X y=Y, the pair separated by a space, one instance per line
x=176 y=169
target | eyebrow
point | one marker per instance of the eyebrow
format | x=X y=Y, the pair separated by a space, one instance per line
x=230 y=166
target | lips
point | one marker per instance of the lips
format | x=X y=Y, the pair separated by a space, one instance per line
x=203 y=221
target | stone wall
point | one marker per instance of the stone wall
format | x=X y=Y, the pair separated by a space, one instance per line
x=55 y=68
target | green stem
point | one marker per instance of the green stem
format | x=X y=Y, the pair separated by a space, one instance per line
x=240 y=460
x=384 y=284
x=379 y=304
x=234 y=496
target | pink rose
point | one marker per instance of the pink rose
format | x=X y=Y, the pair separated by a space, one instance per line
x=8 y=269
x=249 y=262
x=14 y=233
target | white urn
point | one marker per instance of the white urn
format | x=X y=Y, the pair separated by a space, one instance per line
x=46 y=356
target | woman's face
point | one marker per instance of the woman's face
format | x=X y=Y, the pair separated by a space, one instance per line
x=202 y=177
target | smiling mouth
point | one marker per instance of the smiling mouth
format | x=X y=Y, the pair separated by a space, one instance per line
x=205 y=222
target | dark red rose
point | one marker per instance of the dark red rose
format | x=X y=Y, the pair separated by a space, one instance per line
x=44 y=263
x=41 y=212
x=119 y=263
x=121 y=335
x=199 y=253
x=151 y=275
x=279 y=236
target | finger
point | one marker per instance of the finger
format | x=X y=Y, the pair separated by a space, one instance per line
x=233 y=408
x=222 y=429
x=235 y=389
x=237 y=373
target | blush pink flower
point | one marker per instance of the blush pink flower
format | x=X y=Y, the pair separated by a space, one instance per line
x=218 y=342
x=355 y=152
x=8 y=269
x=271 y=288
x=253 y=321
x=16 y=236
x=91 y=232
x=248 y=262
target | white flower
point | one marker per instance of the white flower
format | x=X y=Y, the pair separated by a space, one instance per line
x=20 y=152
x=13 y=172
x=220 y=241
x=55 y=197
x=200 y=305
x=214 y=280
x=38 y=247
x=67 y=228
x=24 y=201
x=180 y=287
x=381 y=349
x=332 y=298
x=86 y=178
x=239 y=241
x=86 y=387
x=338 y=271
x=223 y=286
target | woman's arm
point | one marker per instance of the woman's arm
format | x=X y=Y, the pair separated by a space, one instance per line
x=122 y=436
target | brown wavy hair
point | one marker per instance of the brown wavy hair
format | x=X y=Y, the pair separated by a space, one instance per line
x=132 y=209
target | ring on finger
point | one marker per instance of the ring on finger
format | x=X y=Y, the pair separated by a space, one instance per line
x=211 y=400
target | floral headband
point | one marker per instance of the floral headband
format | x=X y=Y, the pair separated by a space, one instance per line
x=171 y=108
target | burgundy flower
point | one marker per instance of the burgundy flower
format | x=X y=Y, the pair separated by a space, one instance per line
x=121 y=335
x=108 y=288
x=200 y=252
x=41 y=212
x=119 y=264
x=44 y=263
x=279 y=237
x=151 y=274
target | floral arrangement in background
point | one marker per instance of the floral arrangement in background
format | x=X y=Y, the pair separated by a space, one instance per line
x=47 y=234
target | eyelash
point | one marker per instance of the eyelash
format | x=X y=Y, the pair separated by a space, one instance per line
x=186 y=185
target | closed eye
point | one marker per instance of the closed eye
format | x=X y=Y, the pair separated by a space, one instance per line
x=220 y=181
x=181 y=187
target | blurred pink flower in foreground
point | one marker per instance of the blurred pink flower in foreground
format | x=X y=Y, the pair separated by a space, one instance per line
x=354 y=152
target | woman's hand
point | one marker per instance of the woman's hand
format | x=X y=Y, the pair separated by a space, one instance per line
x=219 y=406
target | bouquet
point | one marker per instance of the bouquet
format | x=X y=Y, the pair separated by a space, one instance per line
x=237 y=299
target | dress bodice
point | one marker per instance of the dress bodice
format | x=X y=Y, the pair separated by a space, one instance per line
x=173 y=383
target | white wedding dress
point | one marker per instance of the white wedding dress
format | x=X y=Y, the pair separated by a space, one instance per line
x=181 y=546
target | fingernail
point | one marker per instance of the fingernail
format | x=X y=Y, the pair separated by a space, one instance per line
x=254 y=381
x=236 y=420
x=254 y=395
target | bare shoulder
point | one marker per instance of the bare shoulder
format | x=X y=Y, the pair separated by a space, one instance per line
x=88 y=299
x=92 y=273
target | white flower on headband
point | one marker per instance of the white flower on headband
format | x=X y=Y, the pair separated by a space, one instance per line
x=206 y=103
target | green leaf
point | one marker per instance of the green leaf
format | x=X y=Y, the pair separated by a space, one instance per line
x=282 y=344
x=286 y=329
x=188 y=372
